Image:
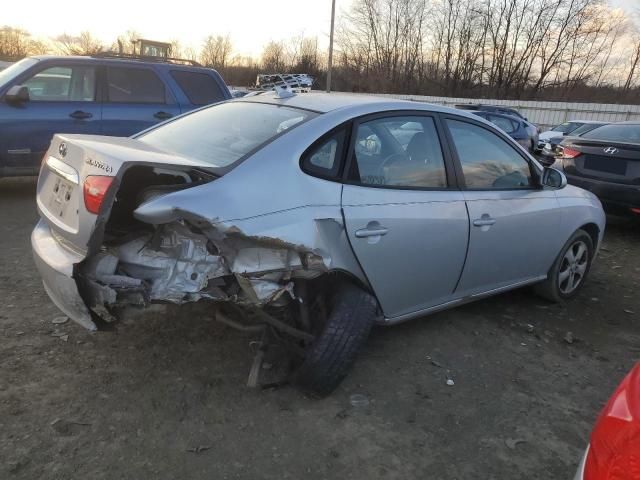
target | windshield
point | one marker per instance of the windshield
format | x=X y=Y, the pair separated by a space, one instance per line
x=224 y=133
x=566 y=127
x=16 y=69
x=629 y=133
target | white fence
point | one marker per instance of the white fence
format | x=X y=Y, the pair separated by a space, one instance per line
x=544 y=114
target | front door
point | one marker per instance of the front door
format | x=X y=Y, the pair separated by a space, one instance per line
x=62 y=99
x=408 y=229
x=512 y=220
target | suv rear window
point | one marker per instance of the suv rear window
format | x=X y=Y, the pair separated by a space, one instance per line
x=200 y=88
x=134 y=85
x=224 y=133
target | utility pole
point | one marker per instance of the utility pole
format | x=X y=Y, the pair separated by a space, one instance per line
x=330 y=62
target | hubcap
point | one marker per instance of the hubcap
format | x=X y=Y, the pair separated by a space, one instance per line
x=573 y=267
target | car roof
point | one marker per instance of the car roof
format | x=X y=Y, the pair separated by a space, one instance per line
x=497 y=114
x=628 y=122
x=584 y=121
x=325 y=102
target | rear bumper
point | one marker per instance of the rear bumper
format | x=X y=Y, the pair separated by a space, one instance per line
x=55 y=264
x=614 y=196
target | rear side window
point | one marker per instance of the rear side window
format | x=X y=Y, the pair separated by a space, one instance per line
x=63 y=84
x=323 y=158
x=488 y=162
x=200 y=88
x=134 y=85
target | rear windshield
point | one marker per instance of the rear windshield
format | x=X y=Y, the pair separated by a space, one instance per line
x=629 y=133
x=222 y=134
x=587 y=127
x=566 y=127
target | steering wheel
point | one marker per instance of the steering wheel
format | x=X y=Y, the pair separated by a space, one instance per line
x=394 y=157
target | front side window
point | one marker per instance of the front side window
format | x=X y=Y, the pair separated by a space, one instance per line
x=224 y=133
x=200 y=88
x=134 y=85
x=63 y=84
x=488 y=162
x=398 y=152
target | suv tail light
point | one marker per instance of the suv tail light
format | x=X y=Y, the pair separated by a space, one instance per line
x=95 y=188
x=614 y=451
x=567 y=152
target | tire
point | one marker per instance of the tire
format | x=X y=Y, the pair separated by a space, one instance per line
x=556 y=287
x=328 y=360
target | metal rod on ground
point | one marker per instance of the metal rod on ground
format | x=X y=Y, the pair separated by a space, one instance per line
x=330 y=61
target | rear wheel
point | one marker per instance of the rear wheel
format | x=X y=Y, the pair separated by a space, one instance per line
x=568 y=273
x=350 y=314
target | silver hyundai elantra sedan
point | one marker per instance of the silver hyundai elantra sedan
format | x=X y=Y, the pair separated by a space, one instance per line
x=307 y=218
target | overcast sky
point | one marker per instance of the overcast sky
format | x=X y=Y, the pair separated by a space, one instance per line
x=250 y=23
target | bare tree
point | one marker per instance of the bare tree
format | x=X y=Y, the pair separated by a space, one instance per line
x=273 y=57
x=216 y=51
x=83 y=44
x=16 y=43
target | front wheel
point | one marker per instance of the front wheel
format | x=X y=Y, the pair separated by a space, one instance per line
x=351 y=314
x=569 y=271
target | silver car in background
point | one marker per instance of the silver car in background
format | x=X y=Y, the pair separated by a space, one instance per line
x=308 y=218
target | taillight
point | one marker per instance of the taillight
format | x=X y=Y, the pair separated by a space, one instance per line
x=570 y=152
x=614 y=450
x=95 y=188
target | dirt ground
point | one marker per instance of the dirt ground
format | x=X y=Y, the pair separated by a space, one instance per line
x=164 y=397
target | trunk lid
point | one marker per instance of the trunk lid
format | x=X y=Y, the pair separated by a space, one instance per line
x=65 y=167
x=616 y=162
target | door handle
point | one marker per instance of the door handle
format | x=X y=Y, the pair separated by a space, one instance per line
x=80 y=115
x=484 y=221
x=371 y=232
x=162 y=115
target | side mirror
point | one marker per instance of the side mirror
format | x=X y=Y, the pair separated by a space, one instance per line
x=17 y=94
x=553 y=178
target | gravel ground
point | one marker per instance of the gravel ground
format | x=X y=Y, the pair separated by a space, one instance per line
x=163 y=396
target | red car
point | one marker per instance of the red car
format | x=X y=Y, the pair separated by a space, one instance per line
x=614 y=449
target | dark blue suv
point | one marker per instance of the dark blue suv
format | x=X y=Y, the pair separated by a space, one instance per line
x=41 y=96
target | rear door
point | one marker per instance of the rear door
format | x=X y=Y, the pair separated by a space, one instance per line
x=513 y=221
x=62 y=99
x=135 y=99
x=406 y=220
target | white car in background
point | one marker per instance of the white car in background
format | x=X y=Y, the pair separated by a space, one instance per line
x=562 y=129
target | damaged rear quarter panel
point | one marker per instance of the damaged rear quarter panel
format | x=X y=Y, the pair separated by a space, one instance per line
x=269 y=221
